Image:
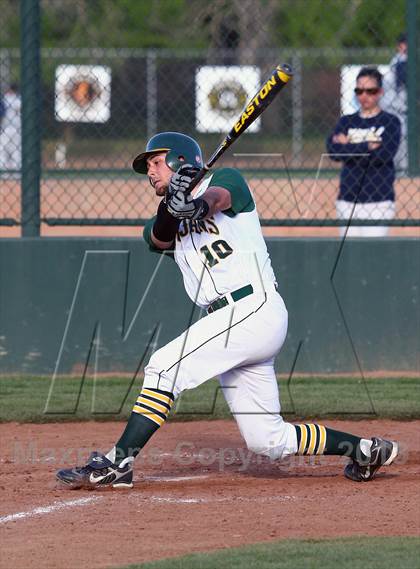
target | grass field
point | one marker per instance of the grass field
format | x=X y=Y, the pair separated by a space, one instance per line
x=369 y=553
x=24 y=399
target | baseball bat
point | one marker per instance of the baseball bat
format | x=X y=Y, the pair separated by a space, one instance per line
x=278 y=79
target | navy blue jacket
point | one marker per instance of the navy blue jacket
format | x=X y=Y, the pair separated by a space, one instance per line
x=370 y=176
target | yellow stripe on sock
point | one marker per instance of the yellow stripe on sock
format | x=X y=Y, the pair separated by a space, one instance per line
x=303 y=438
x=313 y=438
x=142 y=400
x=323 y=439
x=156 y=395
x=149 y=415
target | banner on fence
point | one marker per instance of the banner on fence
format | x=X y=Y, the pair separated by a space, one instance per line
x=83 y=93
x=221 y=94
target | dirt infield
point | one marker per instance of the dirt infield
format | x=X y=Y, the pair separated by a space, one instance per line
x=196 y=489
x=276 y=198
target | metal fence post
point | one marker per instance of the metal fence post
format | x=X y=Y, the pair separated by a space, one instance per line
x=413 y=123
x=151 y=111
x=297 y=111
x=31 y=117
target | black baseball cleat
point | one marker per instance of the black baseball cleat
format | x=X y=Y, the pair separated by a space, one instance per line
x=99 y=472
x=382 y=453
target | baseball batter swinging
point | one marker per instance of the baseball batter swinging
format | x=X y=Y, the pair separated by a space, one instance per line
x=215 y=238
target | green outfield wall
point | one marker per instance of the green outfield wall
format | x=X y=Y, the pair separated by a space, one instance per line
x=72 y=304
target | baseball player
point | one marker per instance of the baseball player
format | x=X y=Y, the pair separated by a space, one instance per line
x=395 y=99
x=214 y=236
x=11 y=131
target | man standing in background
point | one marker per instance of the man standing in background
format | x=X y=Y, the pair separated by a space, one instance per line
x=366 y=143
x=11 y=133
x=395 y=99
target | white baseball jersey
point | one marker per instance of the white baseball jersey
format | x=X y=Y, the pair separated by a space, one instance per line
x=11 y=119
x=225 y=252
x=10 y=133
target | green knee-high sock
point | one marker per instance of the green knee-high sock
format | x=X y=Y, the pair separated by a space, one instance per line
x=137 y=432
x=317 y=439
x=344 y=444
x=149 y=413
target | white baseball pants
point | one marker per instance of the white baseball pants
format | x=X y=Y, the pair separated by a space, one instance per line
x=237 y=344
x=10 y=150
x=375 y=210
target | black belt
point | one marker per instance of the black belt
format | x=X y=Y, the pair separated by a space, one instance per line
x=235 y=295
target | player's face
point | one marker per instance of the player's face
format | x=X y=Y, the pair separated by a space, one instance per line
x=159 y=173
x=368 y=93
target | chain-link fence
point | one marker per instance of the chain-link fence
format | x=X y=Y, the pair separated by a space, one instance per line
x=100 y=105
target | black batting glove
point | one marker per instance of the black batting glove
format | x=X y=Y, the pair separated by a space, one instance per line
x=181 y=205
x=181 y=180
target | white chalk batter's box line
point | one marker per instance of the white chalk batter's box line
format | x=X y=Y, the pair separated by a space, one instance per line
x=65 y=505
x=228 y=500
x=173 y=478
x=45 y=510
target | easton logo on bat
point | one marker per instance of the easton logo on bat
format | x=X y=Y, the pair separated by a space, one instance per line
x=278 y=77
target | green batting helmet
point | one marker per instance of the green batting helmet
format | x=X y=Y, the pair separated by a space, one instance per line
x=180 y=149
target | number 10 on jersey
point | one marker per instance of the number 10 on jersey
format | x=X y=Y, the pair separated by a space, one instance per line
x=217 y=251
